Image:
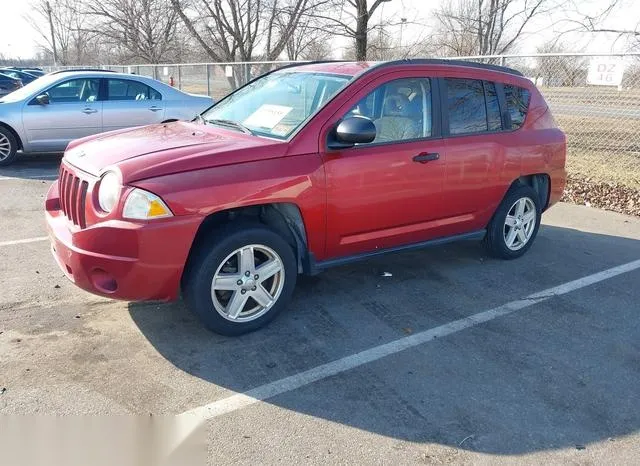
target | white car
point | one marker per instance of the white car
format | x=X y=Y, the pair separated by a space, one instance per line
x=48 y=113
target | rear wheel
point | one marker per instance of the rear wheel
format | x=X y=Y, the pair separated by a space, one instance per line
x=8 y=147
x=241 y=279
x=515 y=223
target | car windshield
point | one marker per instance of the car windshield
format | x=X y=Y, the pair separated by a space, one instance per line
x=277 y=104
x=30 y=89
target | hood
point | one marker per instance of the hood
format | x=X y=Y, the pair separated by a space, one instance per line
x=157 y=150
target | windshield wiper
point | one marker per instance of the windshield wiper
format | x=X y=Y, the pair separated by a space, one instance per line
x=233 y=124
x=200 y=119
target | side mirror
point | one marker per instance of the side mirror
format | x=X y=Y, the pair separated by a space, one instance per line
x=43 y=99
x=351 y=131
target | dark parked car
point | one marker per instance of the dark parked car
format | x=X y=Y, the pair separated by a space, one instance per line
x=23 y=76
x=306 y=168
x=36 y=71
x=26 y=68
x=8 y=84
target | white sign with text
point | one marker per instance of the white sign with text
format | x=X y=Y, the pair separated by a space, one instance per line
x=605 y=71
x=267 y=116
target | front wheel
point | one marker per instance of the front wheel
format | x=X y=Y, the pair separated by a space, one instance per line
x=241 y=279
x=8 y=147
x=515 y=224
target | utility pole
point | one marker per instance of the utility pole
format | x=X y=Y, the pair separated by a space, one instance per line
x=53 y=36
x=403 y=21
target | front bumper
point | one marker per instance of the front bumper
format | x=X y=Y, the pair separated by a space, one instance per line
x=120 y=259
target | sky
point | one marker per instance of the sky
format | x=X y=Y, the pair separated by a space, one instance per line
x=19 y=40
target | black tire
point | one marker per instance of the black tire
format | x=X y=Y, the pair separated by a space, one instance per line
x=495 y=240
x=209 y=255
x=6 y=135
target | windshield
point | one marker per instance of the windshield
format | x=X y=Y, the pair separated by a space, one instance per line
x=30 y=89
x=277 y=104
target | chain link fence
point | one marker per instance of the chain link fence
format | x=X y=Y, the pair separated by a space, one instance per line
x=596 y=101
x=600 y=116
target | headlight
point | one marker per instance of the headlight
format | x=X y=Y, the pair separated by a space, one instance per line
x=143 y=205
x=109 y=191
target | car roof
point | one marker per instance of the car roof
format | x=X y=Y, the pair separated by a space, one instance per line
x=104 y=74
x=167 y=91
x=357 y=68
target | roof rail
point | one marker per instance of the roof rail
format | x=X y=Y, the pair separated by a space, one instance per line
x=82 y=69
x=442 y=61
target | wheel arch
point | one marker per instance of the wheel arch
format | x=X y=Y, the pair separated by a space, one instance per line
x=283 y=217
x=540 y=182
x=14 y=133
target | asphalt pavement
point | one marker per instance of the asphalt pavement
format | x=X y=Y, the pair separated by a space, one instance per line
x=436 y=356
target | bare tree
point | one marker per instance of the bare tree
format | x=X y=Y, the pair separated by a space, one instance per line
x=237 y=30
x=380 y=47
x=483 y=27
x=560 y=70
x=241 y=30
x=60 y=25
x=354 y=22
x=144 y=30
x=308 y=41
x=598 y=23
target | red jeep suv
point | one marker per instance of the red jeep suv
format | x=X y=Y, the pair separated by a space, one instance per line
x=305 y=168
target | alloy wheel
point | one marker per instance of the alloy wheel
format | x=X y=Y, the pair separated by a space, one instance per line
x=5 y=147
x=247 y=283
x=520 y=223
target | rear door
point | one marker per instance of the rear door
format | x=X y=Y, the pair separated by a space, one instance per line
x=74 y=111
x=129 y=102
x=472 y=126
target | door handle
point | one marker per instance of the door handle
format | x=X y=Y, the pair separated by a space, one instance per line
x=89 y=110
x=155 y=109
x=426 y=157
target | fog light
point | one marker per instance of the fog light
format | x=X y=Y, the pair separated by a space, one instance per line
x=103 y=281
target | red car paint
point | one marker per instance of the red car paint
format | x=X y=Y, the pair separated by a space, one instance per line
x=352 y=201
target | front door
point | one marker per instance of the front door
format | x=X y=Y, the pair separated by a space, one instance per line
x=389 y=192
x=73 y=112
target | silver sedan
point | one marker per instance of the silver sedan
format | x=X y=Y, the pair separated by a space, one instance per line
x=49 y=112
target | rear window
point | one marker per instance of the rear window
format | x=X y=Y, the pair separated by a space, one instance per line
x=517 y=99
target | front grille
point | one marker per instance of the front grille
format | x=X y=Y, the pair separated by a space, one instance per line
x=73 y=195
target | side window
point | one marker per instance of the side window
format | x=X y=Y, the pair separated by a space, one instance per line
x=466 y=104
x=74 y=91
x=517 y=100
x=400 y=110
x=494 y=121
x=125 y=89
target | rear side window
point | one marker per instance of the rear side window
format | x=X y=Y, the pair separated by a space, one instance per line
x=494 y=121
x=125 y=89
x=466 y=104
x=517 y=100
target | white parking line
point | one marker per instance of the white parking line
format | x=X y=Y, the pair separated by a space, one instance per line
x=24 y=241
x=264 y=392
x=28 y=177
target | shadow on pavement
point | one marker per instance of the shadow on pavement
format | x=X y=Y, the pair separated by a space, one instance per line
x=560 y=373
x=33 y=167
